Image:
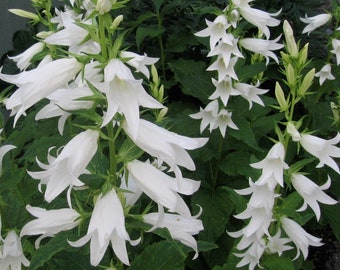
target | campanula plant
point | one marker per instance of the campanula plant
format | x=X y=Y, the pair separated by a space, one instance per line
x=170 y=135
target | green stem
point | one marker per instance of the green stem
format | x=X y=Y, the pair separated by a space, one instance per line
x=112 y=154
x=161 y=46
x=102 y=36
x=218 y=159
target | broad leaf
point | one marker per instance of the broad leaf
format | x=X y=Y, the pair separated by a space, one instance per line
x=129 y=151
x=143 y=32
x=247 y=72
x=158 y=4
x=195 y=81
x=159 y=256
x=277 y=263
x=237 y=163
x=217 y=207
x=245 y=132
x=332 y=214
x=47 y=251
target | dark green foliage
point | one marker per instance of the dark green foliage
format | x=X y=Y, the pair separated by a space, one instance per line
x=159 y=256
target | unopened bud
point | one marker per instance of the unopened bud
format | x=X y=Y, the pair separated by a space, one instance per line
x=306 y=83
x=335 y=111
x=44 y=34
x=291 y=129
x=25 y=14
x=103 y=6
x=234 y=17
x=303 y=54
x=116 y=22
x=162 y=114
x=280 y=97
x=160 y=94
x=290 y=40
x=285 y=58
x=154 y=75
x=290 y=74
x=41 y=3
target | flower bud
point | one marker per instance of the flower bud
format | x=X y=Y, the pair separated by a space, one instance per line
x=103 y=6
x=285 y=58
x=291 y=129
x=234 y=17
x=41 y=3
x=303 y=54
x=290 y=74
x=161 y=115
x=116 y=22
x=154 y=74
x=44 y=34
x=306 y=83
x=335 y=111
x=280 y=97
x=25 y=14
x=290 y=40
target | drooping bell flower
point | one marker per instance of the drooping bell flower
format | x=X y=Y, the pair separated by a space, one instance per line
x=63 y=171
x=107 y=224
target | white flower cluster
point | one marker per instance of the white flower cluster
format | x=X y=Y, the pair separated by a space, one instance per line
x=255 y=236
x=313 y=23
x=71 y=84
x=266 y=231
x=224 y=45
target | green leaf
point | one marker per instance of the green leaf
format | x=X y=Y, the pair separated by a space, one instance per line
x=143 y=32
x=158 y=4
x=205 y=246
x=217 y=207
x=332 y=214
x=159 y=256
x=231 y=263
x=145 y=16
x=247 y=72
x=237 y=163
x=129 y=151
x=164 y=232
x=245 y=132
x=265 y=124
x=73 y=260
x=277 y=263
x=88 y=115
x=193 y=77
x=239 y=201
x=94 y=181
x=290 y=204
x=39 y=147
x=178 y=42
x=99 y=163
x=322 y=117
x=47 y=251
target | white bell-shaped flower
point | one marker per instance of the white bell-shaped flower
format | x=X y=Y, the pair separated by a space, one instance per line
x=49 y=222
x=11 y=254
x=39 y=83
x=312 y=193
x=107 y=225
x=299 y=236
x=63 y=171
